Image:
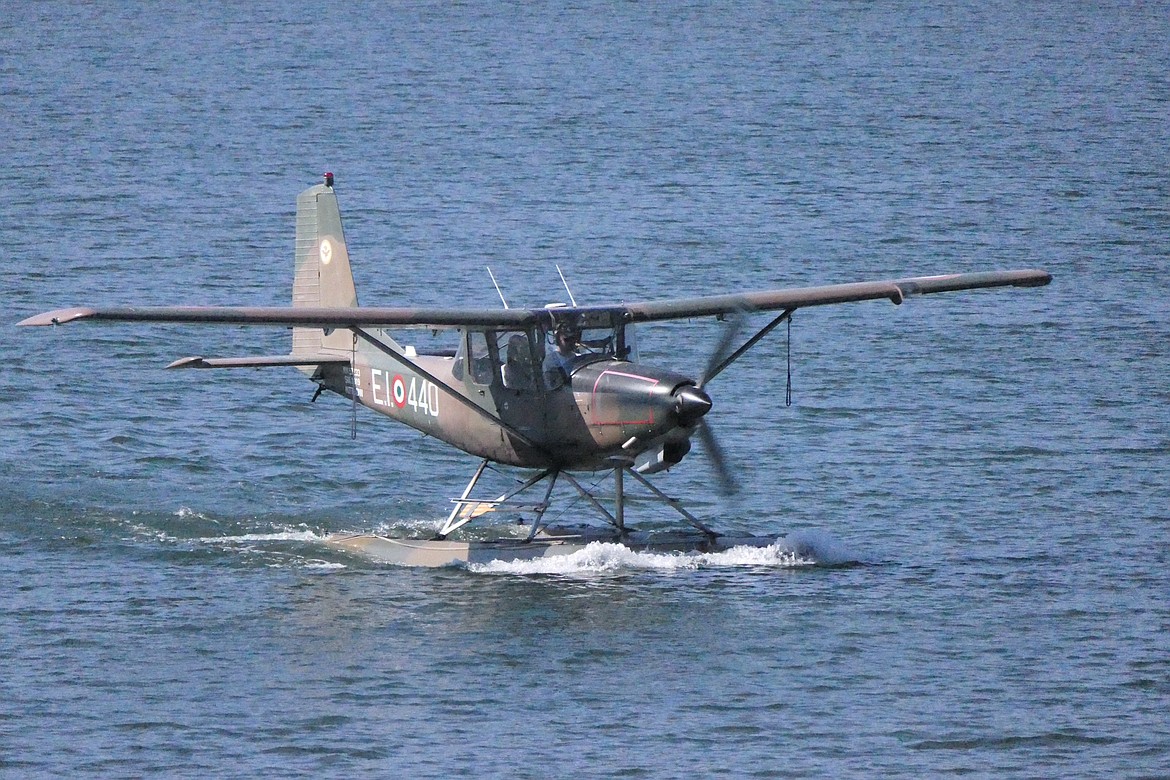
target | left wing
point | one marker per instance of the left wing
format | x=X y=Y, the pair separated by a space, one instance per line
x=800 y=297
x=380 y=317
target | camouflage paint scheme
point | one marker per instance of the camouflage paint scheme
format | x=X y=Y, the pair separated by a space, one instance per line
x=573 y=417
x=554 y=388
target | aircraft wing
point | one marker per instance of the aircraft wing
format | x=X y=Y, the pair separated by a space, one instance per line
x=288 y=316
x=800 y=297
x=377 y=317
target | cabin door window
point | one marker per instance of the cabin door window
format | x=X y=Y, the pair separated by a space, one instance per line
x=481 y=356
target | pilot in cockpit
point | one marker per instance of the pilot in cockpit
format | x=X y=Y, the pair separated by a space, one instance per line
x=517 y=367
x=567 y=340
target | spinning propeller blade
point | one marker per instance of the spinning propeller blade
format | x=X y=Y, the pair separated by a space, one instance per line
x=715 y=365
x=727 y=482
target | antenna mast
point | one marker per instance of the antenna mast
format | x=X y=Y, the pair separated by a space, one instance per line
x=499 y=292
x=572 y=300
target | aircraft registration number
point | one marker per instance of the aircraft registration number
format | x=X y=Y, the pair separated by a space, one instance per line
x=389 y=389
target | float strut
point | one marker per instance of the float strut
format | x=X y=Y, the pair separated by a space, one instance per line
x=542 y=508
x=676 y=505
x=450 y=525
x=619 y=495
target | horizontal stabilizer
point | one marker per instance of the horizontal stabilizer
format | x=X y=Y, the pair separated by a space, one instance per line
x=260 y=362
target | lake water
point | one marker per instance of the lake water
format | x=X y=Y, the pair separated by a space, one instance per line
x=979 y=481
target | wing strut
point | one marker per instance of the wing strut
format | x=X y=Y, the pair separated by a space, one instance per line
x=734 y=356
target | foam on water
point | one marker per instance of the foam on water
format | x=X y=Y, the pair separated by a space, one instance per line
x=808 y=547
x=273 y=544
x=276 y=536
x=405 y=527
x=278 y=556
x=323 y=565
x=602 y=557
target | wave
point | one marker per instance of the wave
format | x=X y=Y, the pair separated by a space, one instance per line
x=820 y=546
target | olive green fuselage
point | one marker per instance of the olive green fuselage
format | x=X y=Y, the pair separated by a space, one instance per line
x=577 y=416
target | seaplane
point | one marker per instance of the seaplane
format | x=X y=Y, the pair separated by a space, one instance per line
x=545 y=395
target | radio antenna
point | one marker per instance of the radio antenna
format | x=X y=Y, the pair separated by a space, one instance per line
x=572 y=300
x=498 y=290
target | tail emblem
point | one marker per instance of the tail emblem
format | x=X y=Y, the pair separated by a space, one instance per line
x=326 y=252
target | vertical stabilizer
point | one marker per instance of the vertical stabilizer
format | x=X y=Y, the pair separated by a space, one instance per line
x=322 y=276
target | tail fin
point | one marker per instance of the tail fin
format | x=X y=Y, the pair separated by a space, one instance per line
x=322 y=276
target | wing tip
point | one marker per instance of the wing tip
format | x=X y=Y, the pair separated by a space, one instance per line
x=58 y=317
x=189 y=362
x=1035 y=277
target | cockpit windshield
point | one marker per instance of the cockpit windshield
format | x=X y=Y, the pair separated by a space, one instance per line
x=569 y=345
x=593 y=341
x=546 y=354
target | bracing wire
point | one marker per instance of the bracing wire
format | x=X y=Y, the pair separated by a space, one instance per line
x=353 y=388
x=788 y=343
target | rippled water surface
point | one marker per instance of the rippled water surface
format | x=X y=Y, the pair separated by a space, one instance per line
x=975 y=486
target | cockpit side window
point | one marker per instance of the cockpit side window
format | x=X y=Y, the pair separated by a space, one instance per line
x=460 y=359
x=518 y=360
x=481 y=354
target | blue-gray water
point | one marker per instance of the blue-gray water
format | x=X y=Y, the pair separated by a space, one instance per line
x=995 y=464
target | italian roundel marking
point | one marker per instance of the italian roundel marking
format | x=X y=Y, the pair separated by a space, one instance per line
x=326 y=251
x=399 y=391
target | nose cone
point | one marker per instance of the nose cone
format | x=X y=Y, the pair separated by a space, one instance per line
x=690 y=404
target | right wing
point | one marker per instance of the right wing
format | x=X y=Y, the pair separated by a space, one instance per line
x=300 y=316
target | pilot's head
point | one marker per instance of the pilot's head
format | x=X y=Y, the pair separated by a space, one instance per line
x=568 y=337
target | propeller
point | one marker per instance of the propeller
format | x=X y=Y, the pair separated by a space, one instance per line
x=691 y=404
x=727 y=482
x=715 y=365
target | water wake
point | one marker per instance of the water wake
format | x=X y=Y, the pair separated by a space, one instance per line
x=603 y=557
x=303 y=535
